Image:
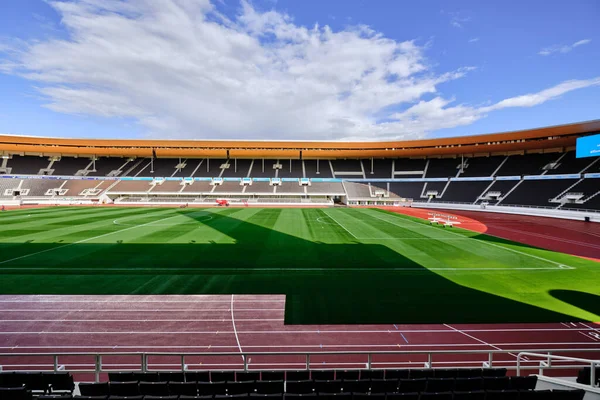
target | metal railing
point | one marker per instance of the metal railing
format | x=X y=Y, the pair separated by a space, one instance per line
x=546 y=363
x=300 y=360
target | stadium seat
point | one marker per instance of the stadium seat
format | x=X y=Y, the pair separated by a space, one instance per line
x=357 y=386
x=558 y=394
x=299 y=396
x=146 y=376
x=271 y=396
x=94 y=389
x=234 y=388
x=351 y=374
x=396 y=374
x=171 y=376
x=436 y=396
x=335 y=396
x=154 y=388
x=332 y=386
x=501 y=395
x=231 y=396
x=493 y=372
x=161 y=397
x=302 y=375
x=300 y=387
x=121 y=377
x=437 y=385
x=211 y=388
x=139 y=397
x=10 y=379
x=420 y=373
x=469 y=395
x=496 y=383
x=91 y=397
x=222 y=376
x=64 y=396
x=187 y=397
x=523 y=382
x=197 y=376
x=445 y=373
x=412 y=385
x=468 y=384
x=269 y=387
x=272 y=375
x=367 y=374
x=245 y=376
x=183 y=388
x=368 y=396
x=584 y=375
x=15 y=393
x=402 y=396
x=124 y=389
x=384 y=385
x=59 y=381
x=468 y=373
x=534 y=394
x=322 y=375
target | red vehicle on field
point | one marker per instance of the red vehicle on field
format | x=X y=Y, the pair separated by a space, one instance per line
x=222 y=202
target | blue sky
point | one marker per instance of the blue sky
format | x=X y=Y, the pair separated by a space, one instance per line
x=289 y=69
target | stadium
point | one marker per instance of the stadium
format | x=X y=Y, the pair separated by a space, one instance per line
x=458 y=268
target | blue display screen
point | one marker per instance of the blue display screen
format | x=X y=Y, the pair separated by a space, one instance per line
x=588 y=146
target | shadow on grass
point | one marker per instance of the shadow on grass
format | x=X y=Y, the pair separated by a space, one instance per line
x=586 y=301
x=324 y=283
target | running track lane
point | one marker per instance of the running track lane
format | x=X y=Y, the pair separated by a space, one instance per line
x=204 y=323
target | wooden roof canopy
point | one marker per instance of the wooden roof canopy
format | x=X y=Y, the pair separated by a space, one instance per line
x=554 y=138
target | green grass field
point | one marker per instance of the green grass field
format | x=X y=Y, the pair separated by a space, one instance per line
x=334 y=265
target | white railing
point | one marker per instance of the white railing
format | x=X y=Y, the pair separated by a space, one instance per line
x=546 y=363
x=144 y=361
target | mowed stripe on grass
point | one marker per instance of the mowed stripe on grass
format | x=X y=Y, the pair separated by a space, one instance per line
x=311 y=255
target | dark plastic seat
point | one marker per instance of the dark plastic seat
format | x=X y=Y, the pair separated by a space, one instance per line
x=197 y=376
x=146 y=376
x=300 y=387
x=161 y=397
x=322 y=375
x=270 y=396
x=183 y=388
x=384 y=385
x=15 y=393
x=231 y=396
x=397 y=374
x=496 y=383
x=121 y=377
x=10 y=379
x=420 y=373
x=235 y=388
x=402 y=396
x=347 y=374
x=272 y=375
x=368 y=374
x=412 y=385
x=299 y=396
x=94 y=389
x=558 y=394
x=445 y=373
x=222 y=376
x=91 y=397
x=171 y=376
x=187 y=397
x=212 y=388
x=302 y=375
x=469 y=395
x=335 y=396
x=246 y=376
x=468 y=384
x=356 y=386
x=502 y=395
x=493 y=372
x=437 y=385
x=59 y=381
x=523 y=382
x=124 y=389
x=368 y=396
x=139 y=397
x=468 y=373
x=436 y=396
x=332 y=386
x=64 y=396
x=535 y=394
x=154 y=388
x=34 y=381
x=269 y=387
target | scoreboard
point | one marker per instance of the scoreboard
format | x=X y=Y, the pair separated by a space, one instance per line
x=588 y=146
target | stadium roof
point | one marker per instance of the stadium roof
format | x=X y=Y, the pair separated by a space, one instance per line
x=553 y=138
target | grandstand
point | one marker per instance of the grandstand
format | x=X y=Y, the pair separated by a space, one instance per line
x=360 y=271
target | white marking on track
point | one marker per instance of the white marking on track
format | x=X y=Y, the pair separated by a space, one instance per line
x=237 y=338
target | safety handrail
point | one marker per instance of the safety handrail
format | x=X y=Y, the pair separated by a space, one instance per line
x=548 y=363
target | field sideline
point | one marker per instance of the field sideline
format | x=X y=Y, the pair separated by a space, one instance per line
x=333 y=265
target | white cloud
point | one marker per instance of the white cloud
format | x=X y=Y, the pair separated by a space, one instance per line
x=473 y=40
x=562 y=48
x=183 y=70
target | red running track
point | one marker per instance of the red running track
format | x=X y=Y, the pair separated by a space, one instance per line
x=236 y=323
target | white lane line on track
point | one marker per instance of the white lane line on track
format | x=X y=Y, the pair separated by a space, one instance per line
x=559 y=265
x=342 y=226
x=104 y=310
x=477 y=339
x=589 y=337
x=549 y=237
x=237 y=338
x=199 y=301
x=143 y=320
x=84 y=240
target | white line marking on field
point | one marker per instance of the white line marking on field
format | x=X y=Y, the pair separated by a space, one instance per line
x=237 y=338
x=84 y=240
x=342 y=226
x=559 y=265
x=474 y=338
x=208 y=218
